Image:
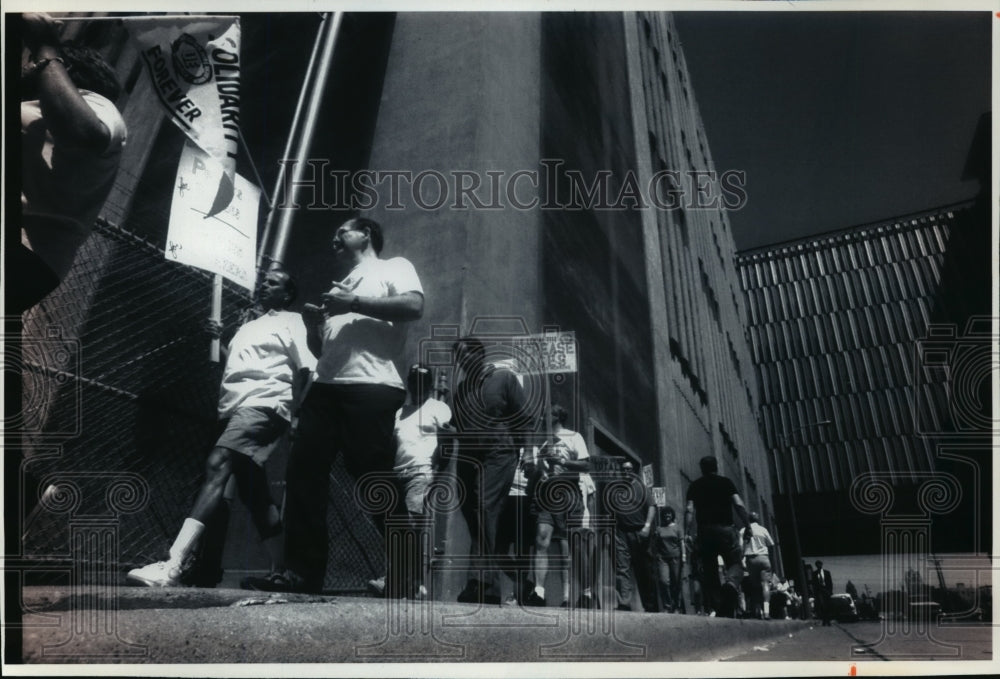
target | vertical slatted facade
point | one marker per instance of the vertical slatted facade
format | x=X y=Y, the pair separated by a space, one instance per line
x=834 y=324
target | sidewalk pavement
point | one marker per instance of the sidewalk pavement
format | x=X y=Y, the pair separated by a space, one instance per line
x=90 y=624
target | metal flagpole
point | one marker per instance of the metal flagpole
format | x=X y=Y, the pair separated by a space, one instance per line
x=292 y=133
x=331 y=29
x=216 y=316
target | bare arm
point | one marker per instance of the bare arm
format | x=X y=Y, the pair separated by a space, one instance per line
x=408 y=306
x=688 y=518
x=577 y=465
x=68 y=116
x=741 y=511
x=650 y=515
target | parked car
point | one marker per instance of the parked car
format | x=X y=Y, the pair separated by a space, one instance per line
x=842 y=608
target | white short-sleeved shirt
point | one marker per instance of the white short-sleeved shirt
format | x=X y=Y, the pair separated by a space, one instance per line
x=359 y=349
x=760 y=540
x=570 y=445
x=264 y=357
x=65 y=184
x=416 y=433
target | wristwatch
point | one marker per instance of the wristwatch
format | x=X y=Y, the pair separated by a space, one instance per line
x=355 y=304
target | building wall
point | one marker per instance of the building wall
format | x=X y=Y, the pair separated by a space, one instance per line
x=461 y=93
x=593 y=260
x=706 y=389
x=651 y=294
x=842 y=328
x=835 y=322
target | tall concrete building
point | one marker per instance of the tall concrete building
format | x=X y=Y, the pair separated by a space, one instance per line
x=870 y=359
x=665 y=374
x=554 y=173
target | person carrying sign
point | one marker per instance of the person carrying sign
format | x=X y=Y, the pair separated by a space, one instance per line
x=267 y=368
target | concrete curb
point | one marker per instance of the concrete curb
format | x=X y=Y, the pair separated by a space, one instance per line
x=237 y=626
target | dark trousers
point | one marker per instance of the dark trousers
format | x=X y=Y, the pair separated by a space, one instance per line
x=669 y=572
x=516 y=529
x=356 y=420
x=632 y=556
x=823 y=606
x=486 y=480
x=408 y=537
x=715 y=541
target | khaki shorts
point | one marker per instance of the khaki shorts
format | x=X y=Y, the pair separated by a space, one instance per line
x=254 y=432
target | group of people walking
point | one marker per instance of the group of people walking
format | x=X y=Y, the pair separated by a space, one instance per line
x=331 y=368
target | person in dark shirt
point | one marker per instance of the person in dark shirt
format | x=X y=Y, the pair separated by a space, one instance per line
x=633 y=525
x=823 y=588
x=711 y=500
x=668 y=550
x=492 y=424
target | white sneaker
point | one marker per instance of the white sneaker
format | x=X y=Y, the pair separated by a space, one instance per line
x=159 y=574
x=377 y=586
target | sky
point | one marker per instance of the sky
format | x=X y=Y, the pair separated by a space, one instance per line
x=838 y=118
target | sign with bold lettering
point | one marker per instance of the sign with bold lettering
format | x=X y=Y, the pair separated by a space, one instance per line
x=550 y=352
x=224 y=243
x=194 y=65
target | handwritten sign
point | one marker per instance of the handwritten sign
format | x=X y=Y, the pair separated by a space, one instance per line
x=660 y=497
x=647 y=475
x=551 y=353
x=225 y=243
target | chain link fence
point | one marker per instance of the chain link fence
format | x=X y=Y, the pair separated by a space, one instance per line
x=117 y=379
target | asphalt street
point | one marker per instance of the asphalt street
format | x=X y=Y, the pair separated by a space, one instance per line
x=877 y=642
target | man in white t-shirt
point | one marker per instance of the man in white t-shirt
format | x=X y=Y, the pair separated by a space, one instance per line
x=564 y=484
x=351 y=406
x=71 y=144
x=267 y=368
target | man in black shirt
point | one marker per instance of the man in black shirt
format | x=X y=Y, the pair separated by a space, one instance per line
x=633 y=524
x=493 y=423
x=711 y=500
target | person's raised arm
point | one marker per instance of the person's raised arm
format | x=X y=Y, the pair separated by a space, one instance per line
x=408 y=306
x=67 y=115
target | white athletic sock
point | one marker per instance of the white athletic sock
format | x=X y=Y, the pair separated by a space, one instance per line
x=587 y=592
x=540 y=591
x=186 y=539
x=767 y=609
